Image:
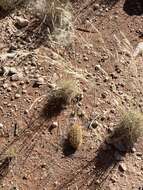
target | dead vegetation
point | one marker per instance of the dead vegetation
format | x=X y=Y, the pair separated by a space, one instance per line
x=65 y=93
x=128 y=132
x=9 y=4
x=56 y=17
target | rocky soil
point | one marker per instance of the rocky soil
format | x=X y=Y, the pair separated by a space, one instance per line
x=101 y=59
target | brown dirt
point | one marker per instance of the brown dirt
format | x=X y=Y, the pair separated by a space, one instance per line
x=40 y=160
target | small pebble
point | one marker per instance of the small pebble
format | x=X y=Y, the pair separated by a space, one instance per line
x=1 y=126
x=16 y=77
x=9 y=89
x=122 y=167
x=14 y=85
x=24 y=91
x=5 y=85
x=53 y=126
x=17 y=95
x=104 y=95
x=39 y=81
x=22 y=22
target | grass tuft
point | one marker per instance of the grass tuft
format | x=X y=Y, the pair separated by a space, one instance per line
x=56 y=15
x=130 y=129
x=66 y=92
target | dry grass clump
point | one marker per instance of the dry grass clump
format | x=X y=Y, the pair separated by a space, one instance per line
x=9 y=4
x=57 y=16
x=129 y=130
x=71 y=88
x=66 y=92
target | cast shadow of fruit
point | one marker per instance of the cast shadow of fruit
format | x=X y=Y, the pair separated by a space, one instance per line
x=68 y=150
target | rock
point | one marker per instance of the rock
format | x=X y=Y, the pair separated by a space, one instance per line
x=138 y=50
x=12 y=71
x=114 y=76
x=14 y=85
x=14 y=188
x=133 y=150
x=122 y=167
x=24 y=91
x=113 y=179
x=53 y=126
x=21 y=82
x=12 y=48
x=5 y=70
x=106 y=79
x=85 y=58
x=81 y=113
x=84 y=89
x=56 y=183
x=112 y=111
x=40 y=81
x=26 y=111
x=24 y=178
x=5 y=85
x=16 y=77
x=104 y=95
x=72 y=114
x=139 y=154
x=1 y=126
x=97 y=67
x=20 y=21
x=9 y=89
x=117 y=69
x=95 y=124
x=17 y=95
x=96 y=6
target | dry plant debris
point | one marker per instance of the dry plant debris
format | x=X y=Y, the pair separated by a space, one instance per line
x=59 y=98
x=57 y=16
x=130 y=129
x=65 y=92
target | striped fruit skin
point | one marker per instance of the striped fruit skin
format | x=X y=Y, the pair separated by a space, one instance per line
x=75 y=136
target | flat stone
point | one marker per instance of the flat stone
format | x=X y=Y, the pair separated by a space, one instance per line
x=5 y=85
x=9 y=89
x=16 y=77
x=122 y=167
x=22 y=22
x=17 y=96
x=5 y=70
x=14 y=85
